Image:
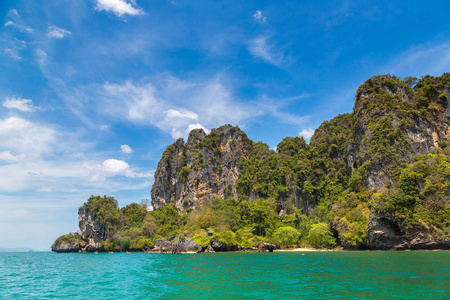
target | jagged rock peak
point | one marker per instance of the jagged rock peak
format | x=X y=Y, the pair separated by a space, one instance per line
x=196 y=136
x=207 y=166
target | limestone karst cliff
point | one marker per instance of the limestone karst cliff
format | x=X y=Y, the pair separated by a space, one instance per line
x=97 y=220
x=376 y=178
x=394 y=120
x=354 y=167
x=207 y=166
x=92 y=230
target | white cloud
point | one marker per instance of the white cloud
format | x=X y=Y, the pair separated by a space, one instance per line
x=112 y=167
x=259 y=16
x=183 y=114
x=176 y=106
x=6 y=156
x=13 y=54
x=20 y=104
x=38 y=157
x=197 y=126
x=261 y=48
x=22 y=28
x=58 y=33
x=13 y=43
x=22 y=136
x=307 y=133
x=126 y=149
x=13 y=12
x=181 y=122
x=136 y=103
x=115 y=166
x=173 y=105
x=118 y=7
x=216 y=106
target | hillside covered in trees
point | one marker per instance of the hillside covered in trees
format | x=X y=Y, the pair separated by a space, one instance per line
x=378 y=178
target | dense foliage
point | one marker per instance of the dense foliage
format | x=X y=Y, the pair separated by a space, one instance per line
x=67 y=239
x=310 y=194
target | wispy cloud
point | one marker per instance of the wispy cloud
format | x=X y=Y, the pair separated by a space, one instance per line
x=340 y=12
x=427 y=59
x=58 y=33
x=261 y=47
x=14 y=44
x=259 y=17
x=276 y=108
x=118 y=7
x=20 y=104
x=13 y=12
x=13 y=54
x=173 y=105
x=20 y=27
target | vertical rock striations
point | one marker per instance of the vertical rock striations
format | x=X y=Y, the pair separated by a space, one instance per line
x=393 y=121
x=380 y=177
x=92 y=231
x=96 y=219
x=207 y=166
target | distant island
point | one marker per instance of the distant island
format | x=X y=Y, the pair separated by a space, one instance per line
x=376 y=179
x=18 y=250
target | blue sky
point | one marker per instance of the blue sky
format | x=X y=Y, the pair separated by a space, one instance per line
x=92 y=92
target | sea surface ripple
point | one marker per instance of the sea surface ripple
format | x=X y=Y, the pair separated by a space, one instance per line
x=240 y=275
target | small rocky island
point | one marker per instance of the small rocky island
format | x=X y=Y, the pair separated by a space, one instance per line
x=376 y=179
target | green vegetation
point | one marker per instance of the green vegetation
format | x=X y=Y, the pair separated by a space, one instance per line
x=320 y=236
x=105 y=210
x=184 y=173
x=302 y=193
x=286 y=236
x=419 y=197
x=68 y=239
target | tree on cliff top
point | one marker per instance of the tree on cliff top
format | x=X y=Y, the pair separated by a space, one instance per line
x=105 y=209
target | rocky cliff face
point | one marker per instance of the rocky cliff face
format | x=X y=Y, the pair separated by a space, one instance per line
x=207 y=166
x=362 y=167
x=384 y=233
x=394 y=121
x=97 y=219
x=71 y=242
x=92 y=231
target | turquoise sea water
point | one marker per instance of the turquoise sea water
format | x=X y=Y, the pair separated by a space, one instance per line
x=281 y=275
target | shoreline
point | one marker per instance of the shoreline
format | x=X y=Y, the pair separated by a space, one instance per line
x=248 y=250
x=294 y=249
x=304 y=250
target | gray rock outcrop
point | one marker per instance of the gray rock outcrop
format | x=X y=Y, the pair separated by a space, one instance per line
x=187 y=245
x=207 y=166
x=269 y=247
x=384 y=233
x=182 y=245
x=66 y=247
x=209 y=249
x=374 y=112
x=163 y=246
x=92 y=231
